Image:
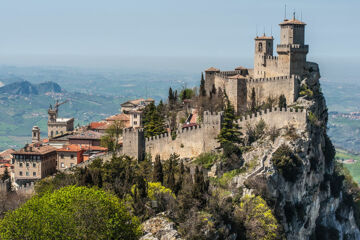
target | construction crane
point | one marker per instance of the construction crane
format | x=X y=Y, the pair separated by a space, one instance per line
x=57 y=104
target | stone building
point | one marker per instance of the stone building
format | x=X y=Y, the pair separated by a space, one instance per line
x=34 y=162
x=272 y=75
x=58 y=126
x=87 y=138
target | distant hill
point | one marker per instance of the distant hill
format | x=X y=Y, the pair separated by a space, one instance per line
x=25 y=88
x=48 y=87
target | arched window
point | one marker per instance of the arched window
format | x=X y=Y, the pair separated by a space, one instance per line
x=260 y=47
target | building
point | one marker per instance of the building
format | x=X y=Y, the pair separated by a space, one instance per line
x=71 y=155
x=271 y=76
x=86 y=138
x=35 y=134
x=58 y=126
x=137 y=104
x=33 y=163
x=6 y=158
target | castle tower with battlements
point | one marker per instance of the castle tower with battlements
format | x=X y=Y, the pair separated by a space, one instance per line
x=271 y=76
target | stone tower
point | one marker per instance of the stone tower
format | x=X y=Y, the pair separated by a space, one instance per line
x=35 y=134
x=52 y=114
x=292 y=50
x=264 y=46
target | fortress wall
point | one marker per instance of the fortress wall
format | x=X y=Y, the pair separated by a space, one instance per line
x=133 y=143
x=4 y=186
x=190 y=142
x=276 y=118
x=273 y=87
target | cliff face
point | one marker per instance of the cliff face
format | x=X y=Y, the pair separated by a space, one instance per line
x=314 y=205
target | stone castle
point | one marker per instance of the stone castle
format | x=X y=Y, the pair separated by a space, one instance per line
x=271 y=77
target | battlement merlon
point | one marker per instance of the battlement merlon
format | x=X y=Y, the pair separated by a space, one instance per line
x=292 y=48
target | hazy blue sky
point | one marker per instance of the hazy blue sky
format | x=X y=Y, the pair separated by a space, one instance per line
x=75 y=31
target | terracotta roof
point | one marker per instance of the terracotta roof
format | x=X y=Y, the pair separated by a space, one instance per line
x=292 y=22
x=70 y=148
x=6 y=154
x=40 y=150
x=238 y=76
x=87 y=135
x=189 y=125
x=241 y=68
x=77 y=148
x=212 y=69
x=94 y=125
x=138 y=101
x=119 y=117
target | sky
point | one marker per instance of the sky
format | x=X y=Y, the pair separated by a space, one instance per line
x=115 y=32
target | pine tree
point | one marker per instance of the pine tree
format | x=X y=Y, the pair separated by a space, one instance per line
x=282 y=101
x=202 y=86
x=154 y=122
x=170 y=181
x=213 y=89
x=6 y=174
x=253 y=100
x=229 y=132
x=171 y=95
x=158 y=175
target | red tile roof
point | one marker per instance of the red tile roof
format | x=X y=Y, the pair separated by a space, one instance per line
x=39 y=150
x=119 y=117
x=212 y=69
x=77 y=148
x=95 y=125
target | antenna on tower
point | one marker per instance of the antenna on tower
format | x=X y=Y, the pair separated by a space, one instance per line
x=264 y=32
x=294 y=14
x=285 y=12
x=271 y=31
x=301 y=15
x=256 y=30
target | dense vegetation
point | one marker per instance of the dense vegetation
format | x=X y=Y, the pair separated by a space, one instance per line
x=287 y=163
x=71 y=213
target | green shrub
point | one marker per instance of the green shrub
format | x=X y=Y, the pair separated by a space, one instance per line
x=287 y=163
x=206 y=160
x=313 y=119
x=305 y=91
x=71 y=213
x=257 y=218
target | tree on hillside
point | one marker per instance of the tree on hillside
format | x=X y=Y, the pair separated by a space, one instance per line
x=154 y=122
x=253 y=100
x=282 y=101
x=158 y=175
x=111 y=139
x=202 y=91
x=229 y=132
x=186 y=93
x=71 y=213
x=6 y=174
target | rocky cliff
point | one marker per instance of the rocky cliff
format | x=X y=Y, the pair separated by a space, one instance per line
x=308 y=198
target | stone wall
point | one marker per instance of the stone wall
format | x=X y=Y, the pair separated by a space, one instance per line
x=189 y=142
x=273 y=87
x=5 y=186
x=27 y=189
x=134 y=143
x=277 y=118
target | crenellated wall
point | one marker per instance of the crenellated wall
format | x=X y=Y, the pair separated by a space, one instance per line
x=5 y=186
x=192 y=141
x=189 y=142
x=276 y=117
x=27 y=189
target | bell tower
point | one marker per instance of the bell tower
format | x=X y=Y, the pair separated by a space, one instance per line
x=263 y=49
x=35 y=134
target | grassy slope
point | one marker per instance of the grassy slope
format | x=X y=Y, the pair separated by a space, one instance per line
x=354 y=168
